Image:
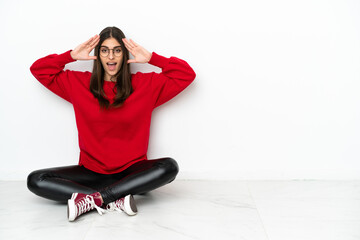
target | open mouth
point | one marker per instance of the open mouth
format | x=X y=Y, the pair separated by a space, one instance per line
x=111 y=66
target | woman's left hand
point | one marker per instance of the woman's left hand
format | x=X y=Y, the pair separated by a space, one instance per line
x=141 y=54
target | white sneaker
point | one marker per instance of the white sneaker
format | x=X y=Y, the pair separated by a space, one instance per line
x=81 y=203
x=125 y=204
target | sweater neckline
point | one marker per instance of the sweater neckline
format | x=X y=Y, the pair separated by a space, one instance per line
x=109 y=82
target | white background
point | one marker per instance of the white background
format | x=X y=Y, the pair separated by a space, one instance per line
x=276 y=94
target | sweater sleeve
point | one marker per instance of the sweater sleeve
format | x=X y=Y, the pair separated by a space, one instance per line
x=49 y=71
x=176 y=75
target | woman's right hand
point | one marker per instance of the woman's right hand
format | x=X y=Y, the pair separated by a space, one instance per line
x=82 y=51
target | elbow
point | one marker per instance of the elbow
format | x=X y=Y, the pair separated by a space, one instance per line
x=192 y=75
x=33 y=69
x=36 y=70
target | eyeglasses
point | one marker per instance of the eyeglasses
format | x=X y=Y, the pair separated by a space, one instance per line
x=104 y=51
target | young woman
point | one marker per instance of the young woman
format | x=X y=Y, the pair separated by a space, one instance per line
x=113 y=111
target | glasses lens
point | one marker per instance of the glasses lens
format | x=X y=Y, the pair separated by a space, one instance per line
x=117 y=52
x=104 y=51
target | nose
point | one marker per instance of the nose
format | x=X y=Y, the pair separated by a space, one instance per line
x=111 y=55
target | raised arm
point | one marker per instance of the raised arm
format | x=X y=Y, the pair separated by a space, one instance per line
x=49 y=70
x=176 y=73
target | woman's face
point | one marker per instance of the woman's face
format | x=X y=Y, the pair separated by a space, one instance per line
x=111 y=57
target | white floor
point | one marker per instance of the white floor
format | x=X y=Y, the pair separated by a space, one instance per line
x=256 y=210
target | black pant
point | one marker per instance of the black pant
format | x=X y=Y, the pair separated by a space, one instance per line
x=59 y=183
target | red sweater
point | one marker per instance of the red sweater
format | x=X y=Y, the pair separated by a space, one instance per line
x=114 y=139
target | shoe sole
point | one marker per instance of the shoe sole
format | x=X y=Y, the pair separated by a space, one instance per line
x=130 y=205
x=71 y=208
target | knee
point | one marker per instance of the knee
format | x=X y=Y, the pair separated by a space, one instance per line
x=171 y=168
x=34 y=179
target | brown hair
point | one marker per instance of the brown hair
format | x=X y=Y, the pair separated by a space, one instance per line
x=123 y=77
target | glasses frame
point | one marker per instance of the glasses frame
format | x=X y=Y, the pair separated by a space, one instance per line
x=113 y=51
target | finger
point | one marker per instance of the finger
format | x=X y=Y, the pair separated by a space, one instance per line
x=135 y=45
x=130 y=49
x=88 y=41
x=92 y=58
x=94 y=42
x=132 y=53
x=131 y=43
x=88 y=44
x=126 y=42
x=131 y=61
x=90 y=47
x=96 y=39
